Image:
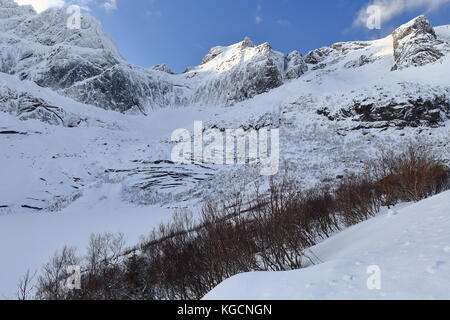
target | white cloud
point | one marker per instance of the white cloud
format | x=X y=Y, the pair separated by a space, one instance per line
x=258 y=15
x=283 y=22
x=110 y=5
x=153 y=11
x=41 y=5
x=389 y=9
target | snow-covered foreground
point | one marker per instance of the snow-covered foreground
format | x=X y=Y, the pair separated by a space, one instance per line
x=28 y=240
x=411 y=248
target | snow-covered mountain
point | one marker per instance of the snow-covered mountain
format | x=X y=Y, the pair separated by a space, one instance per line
x=85 y=65
x=335 y=104
x=81 y=129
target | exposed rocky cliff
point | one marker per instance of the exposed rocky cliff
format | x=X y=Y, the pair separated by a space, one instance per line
x=416 y=44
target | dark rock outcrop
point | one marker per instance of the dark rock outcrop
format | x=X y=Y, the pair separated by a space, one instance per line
x=295 y=65
x=318 y=55
x=414 y=112
x=432 y=111
x=26 y=106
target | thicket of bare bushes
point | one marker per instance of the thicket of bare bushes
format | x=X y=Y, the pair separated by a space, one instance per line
x=270 y=231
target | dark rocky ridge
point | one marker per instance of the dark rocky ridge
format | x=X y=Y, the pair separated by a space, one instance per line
x=402 y=111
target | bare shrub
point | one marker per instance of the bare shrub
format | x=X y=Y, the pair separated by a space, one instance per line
x=25 y=287
x=272 y=230
x=356 y=199
x=411 y=175
x=51 y=284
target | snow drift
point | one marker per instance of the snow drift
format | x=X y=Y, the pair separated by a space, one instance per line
x=409 y=246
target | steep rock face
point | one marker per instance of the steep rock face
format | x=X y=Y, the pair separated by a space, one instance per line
x=26 y=106
x=327 y=56
x=409 y=106
x=125 y=88
x=415 y=112
x=83 y=64
x=416 y=44
x=295 y=65
x=318 y=55
x=236 y=73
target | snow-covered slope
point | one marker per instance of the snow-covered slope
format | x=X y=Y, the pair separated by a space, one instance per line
x=334 y=107
x=409 y=249
x=236 y=73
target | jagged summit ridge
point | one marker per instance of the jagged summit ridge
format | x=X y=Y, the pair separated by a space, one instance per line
x=85 y=64
x=163 y=68
x=217 y=51
x=416 y=44
x=237 y=72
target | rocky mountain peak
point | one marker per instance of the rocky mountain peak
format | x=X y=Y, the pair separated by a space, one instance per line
x=163 y=68
x=295 y=65
x=49 y=28
x=246 y=43
x=419 y=26
x=214 y=52
x=10 y=9
x=415 y=44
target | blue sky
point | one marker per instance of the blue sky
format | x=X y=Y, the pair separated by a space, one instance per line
x=180 y=32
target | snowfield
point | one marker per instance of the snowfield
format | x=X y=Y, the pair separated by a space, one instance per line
x=411 y=247
x=29 y=240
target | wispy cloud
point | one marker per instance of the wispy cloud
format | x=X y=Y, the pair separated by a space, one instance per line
x=389 y=9
x=258 y=15
x=153 y=11
x=283 y=22
x=41 y=5
x=110 y=5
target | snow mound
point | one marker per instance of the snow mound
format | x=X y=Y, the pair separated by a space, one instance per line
x=443 y=33
x=410 y=251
